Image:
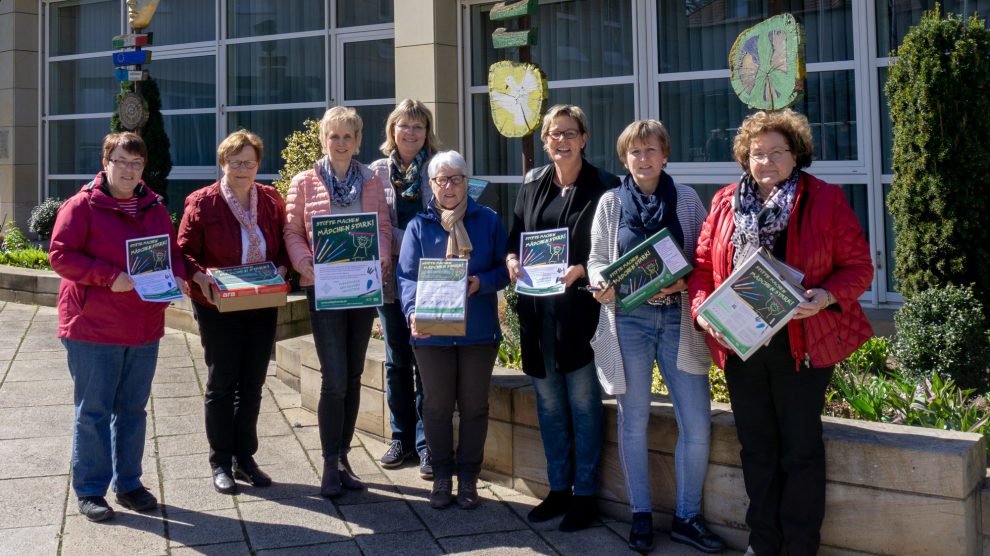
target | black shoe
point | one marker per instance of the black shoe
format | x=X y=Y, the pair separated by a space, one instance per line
x=440 y=496
x=330 y=484
x=245 y=469
x=348 y=479
x=467 y=493
x=555 y=504
x=223 y=482
x=425 y=465
x=139 y=500
x=95 y=508
x=641 y=533
x=693 y=532
x=394 y=456
x=581 y=514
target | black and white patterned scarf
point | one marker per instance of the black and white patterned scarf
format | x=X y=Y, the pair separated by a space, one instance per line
x=342 y=192
x=757 y=223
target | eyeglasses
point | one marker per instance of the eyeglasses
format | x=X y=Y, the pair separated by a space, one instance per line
x=238 y=164
x=444 y=181
x=129 y=164
x=417 y=129
x=772 y=156
x=557 y=135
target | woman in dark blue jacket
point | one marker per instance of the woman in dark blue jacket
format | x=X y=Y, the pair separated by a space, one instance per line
x=456 y=369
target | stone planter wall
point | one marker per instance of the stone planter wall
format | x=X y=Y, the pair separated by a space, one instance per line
x=891 y=489
x=293 y=317
x=25 y=285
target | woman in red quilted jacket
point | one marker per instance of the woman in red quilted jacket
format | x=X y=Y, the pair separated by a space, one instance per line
x=778 y=394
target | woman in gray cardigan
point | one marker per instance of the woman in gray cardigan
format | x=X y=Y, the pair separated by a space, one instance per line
x=627 y=343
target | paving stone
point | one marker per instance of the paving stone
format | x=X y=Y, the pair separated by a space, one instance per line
x=183 y=361
x=292 y=522
x=204 y=527
x=286 y=400
x=293 y=481
x=225 y=549
x=174 y=407
x=377 y=489
x=309 y=437
x=272 y=424
x=387 y=544
x=598 y=540
x=31 y=541
x=36 y=422
x=193 y=495
x=32 y=502
x=489 y=517
x=522 y=542
x=38 y=369
x=40 y=341
x=175 y=374
x=175 y=389
x=35 y=457
x=300 y=418
x=54 y=354
x=127 y=533
x=267 y=402
x=36 y=393
x=185 y=467
x=183 y=445
x=279 y=450
x=522 y=504
x=381 y=517
x=343 y=548
x=167 y=425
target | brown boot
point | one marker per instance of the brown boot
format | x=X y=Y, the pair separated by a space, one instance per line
x=330 y=486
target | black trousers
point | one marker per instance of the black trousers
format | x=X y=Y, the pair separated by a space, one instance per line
x=341 y=339
x=237 y=347
x=456 y=375
x=778 y=420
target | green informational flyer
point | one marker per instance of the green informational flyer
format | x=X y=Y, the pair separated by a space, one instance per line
x=441 y=297
x=149 y=264
x=646 y=269
x=253 y=276
x=543 y=257
x=346 y=266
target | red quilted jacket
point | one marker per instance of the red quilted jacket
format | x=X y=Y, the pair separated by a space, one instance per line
x=825 y=241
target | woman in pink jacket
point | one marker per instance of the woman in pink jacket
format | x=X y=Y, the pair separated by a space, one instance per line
x=337 y=184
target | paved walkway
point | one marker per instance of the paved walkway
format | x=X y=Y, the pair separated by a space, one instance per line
x=38 y=513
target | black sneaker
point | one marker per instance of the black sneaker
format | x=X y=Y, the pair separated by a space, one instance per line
x=693 y=532
x=440 y=496
x=581 y=514
x=425 y=465
x=394 y=456
x=555 y=504
x=95 y=508
x=641 y=532
x=467 y=493
x=139 y=500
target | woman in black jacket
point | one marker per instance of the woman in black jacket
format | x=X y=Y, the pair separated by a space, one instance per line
x=556 y=331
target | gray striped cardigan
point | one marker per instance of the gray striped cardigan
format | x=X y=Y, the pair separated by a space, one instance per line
x=692 y=353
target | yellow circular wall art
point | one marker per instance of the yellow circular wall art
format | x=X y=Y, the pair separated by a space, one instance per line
x=517 y=92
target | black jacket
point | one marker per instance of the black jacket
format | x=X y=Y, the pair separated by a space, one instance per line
x=576 y=310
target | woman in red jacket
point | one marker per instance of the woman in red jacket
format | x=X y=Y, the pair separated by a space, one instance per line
x=110 y=335
x=778 y=394
x=232 y=222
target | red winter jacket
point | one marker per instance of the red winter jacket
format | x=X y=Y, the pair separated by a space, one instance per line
x=88 y=251
x=825 y=241
x=210 y=235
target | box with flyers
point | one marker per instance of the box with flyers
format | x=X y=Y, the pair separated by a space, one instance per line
x=249 y=286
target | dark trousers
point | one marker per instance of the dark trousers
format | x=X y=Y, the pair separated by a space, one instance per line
x=341 y=339
x=778 y=420
x=403 y=386
x=237 y=347
x=456 y=374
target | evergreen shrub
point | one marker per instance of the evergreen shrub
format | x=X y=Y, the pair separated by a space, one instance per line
x=159 y=159
x=302 y=150
x=42 y=220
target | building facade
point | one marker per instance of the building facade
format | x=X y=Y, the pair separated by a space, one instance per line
x=267 y=65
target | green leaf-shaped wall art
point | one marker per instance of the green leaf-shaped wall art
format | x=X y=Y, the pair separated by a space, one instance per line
x=766 y=63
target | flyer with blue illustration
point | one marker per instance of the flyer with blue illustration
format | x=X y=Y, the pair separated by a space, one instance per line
x=346 y=265
x=543 y=258
x=149 y=264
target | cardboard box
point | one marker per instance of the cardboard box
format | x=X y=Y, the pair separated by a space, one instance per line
x=245 y=287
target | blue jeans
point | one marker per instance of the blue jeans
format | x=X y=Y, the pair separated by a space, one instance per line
x=647 y=334
x=111 y=386
x=403 y=387
x=569 y=407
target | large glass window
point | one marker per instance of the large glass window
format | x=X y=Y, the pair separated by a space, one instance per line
x=82 y=26
x=184 y=21
x=186 y=83
x=352 y=13
x=273 y=72
x=76 y=146
x=252 y=18
x=82 y=86
x=192 y=138
x=895 y=17
x=272 y=126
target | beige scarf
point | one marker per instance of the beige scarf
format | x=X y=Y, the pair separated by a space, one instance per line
x=458 y=244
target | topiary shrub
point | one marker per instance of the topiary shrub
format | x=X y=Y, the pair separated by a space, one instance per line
x=302 y=150
x=939 y=94
x=42 y=220
x=943 y=330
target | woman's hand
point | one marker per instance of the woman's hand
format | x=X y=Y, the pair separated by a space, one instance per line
x=474 y=284
x=514 y=268
x=818 y=299
x=282 y=271
x=204 y=282
x=412 y=329
x=719 y=337
x=678 y=286
x=183 y=286
x=572 y=274
x=605 y=295
x=386 y=268
x=306 y=270
x=123 y=283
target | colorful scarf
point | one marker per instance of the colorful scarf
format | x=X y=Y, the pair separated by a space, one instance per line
x=458 y=243
x=342 y=193
x=248 y=219
x=758 y=224
x=407 y=179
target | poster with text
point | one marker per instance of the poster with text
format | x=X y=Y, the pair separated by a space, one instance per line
x=346 y=266
x=149 y=264
x=543 y=258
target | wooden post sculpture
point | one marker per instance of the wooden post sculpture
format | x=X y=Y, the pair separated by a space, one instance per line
x=766 y=63
x=132 y=107
x=517 y=91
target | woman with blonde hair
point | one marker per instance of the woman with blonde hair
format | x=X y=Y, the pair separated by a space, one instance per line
x=337 y=184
